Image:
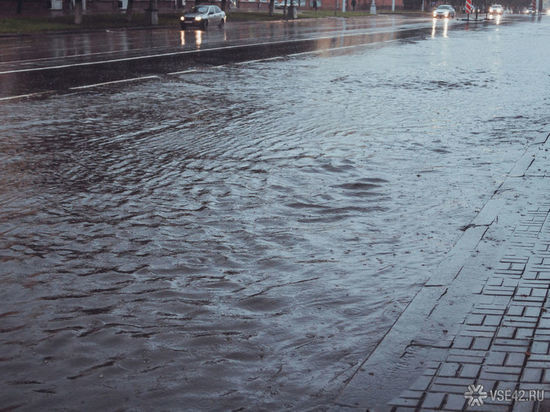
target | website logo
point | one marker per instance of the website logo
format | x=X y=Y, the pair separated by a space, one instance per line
x=475 y=395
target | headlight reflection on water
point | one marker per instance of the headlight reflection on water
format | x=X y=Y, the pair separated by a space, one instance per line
x=445 y=27
x=198 y=38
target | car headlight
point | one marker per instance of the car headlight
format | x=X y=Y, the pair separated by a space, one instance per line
x=446 y=14
x=182 y=18
x=435 y=13
x=490 y=9
x=198 y=18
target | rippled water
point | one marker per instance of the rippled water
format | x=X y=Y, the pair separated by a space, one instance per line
x=242 y=237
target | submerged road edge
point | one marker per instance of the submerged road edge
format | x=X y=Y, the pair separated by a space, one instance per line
x=424 y=333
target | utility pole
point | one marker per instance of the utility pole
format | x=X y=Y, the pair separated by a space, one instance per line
x=152 y=13
x=373 y=7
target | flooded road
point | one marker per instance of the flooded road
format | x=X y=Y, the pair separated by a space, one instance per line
x=45 y=64
x=241 y=237
x=44 y=50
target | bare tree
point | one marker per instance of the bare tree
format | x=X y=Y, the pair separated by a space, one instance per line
x=77 y=11
x=129 y=10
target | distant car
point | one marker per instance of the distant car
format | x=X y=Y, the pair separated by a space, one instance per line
x=281 y=4
x=202 y=16
x=529 y=10
x=444 y=11
x=496 y=9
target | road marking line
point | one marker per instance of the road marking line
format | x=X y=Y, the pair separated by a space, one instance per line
x=183 y=72
x=25 y=96
x=340 y=48
x=89 y=86
x=308 y=52
x=259 y=60
x=180 y=53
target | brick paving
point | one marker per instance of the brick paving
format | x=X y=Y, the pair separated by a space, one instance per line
x=504 y=342
x=483 y=317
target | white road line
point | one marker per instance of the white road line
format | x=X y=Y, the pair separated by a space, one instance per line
x=340 y=48
x=89 y=86
x=259 y=60
x=195 y=70
x=183 y=72
x=180 y=53
x=25 y=96
x=65 y=66
x=135 y=79
x=304 y=53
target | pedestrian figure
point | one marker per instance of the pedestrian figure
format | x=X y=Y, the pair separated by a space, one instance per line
x=223 y=3
x=353 y=3
x=315 y=5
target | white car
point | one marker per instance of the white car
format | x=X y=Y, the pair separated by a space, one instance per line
x=202 y=16
x=496 y=9
x=444 y=11
x=295 y=3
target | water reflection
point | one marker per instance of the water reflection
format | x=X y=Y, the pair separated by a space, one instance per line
x=192 y=39
x=497 y=18
x=223 y=248
x=445 y=27
x=198 y=38
x=226 y=245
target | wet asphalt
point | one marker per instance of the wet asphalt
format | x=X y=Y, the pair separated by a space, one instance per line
x=243 y=235
x=59 y=62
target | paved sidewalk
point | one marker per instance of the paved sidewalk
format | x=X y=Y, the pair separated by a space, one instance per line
x=482 y=319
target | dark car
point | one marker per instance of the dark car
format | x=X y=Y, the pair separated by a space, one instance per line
x=202 y=16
